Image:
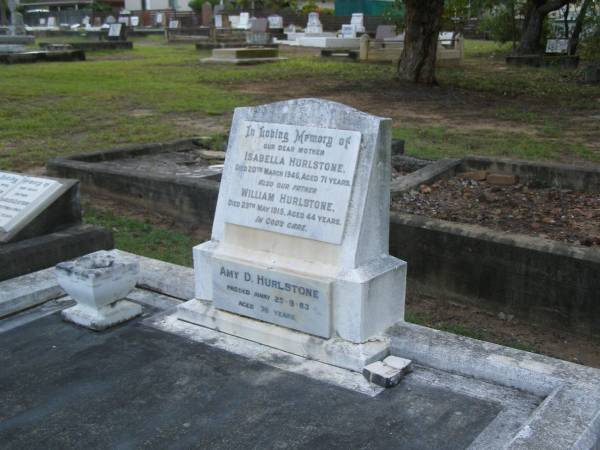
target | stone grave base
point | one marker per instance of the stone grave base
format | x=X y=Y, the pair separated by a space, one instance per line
x=462 y=392
x=336 y=352
x=16 y=40
x=103 y=318
x=244 y=56
x=42 y=56
x=94 y=45
x=28 y=255
x=550 y=60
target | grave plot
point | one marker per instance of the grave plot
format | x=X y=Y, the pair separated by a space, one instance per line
x=503 y=203
x=461 y=393
x=40 y=224
x=179 y=179
x=296 y=276
x=526 y=275
x=517 y=235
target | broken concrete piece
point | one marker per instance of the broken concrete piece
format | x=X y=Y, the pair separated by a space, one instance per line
x=387 y=373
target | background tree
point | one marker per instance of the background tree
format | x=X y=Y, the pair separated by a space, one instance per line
x=3 y=8
x=422 y=26
x=500 y=22
x=536 y=12
x=581 y=19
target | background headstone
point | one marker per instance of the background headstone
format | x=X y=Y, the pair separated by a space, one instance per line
x=259 y=25
x=357 y=21
x=207 y=14
x=385 y=32
x=275 y=22
x=557 y=46
x=313 y=25
x=348 y=31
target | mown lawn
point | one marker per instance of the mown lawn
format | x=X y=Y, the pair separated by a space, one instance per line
x=158 y=92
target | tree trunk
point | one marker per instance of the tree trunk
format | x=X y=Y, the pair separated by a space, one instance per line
x=3 y=21
x=535 y=14
x=574 y=40
x=423 y=23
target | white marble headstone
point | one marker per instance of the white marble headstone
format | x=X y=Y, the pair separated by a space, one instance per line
x=557 y=46
x=244 y=22
x=115 y=30
x=300 y=234
x=348 y=31
x=314 y=26
x=275 y=22
x=22 y=198
x=357 y=21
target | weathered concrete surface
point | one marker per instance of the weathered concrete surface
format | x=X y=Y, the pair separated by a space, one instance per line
x=536 y=402
x=95 y=45
x=569 y=416
x=27 y=291
x=138 y=387
x=38 y=253
x=42 y=56
x=533 y=277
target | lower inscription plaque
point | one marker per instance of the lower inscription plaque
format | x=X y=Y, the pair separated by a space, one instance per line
x=291 y=301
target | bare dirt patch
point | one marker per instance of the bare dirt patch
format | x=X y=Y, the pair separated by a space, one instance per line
x=557 y=214
x=502 y=328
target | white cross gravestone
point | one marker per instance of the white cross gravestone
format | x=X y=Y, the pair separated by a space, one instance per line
x=22 y=199
x=300 y=235
x=314 y=26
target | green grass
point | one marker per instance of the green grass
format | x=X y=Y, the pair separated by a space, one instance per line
x=434 y=142
x=463 y=330
x=158 y=92
x=141 y=238
x=62 y=108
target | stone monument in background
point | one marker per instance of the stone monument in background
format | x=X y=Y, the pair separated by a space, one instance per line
x=313 y=26
x=298 y=258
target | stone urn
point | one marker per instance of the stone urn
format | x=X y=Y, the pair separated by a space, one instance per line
x=99 y=283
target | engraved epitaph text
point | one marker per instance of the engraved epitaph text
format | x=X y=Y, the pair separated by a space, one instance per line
x=292 y=179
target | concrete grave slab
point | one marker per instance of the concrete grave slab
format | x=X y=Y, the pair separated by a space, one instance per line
x=462 y=393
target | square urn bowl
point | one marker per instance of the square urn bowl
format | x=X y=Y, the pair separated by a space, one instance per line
x=99 y=283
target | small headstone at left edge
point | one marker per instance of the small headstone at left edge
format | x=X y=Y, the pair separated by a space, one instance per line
x=389 y=372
